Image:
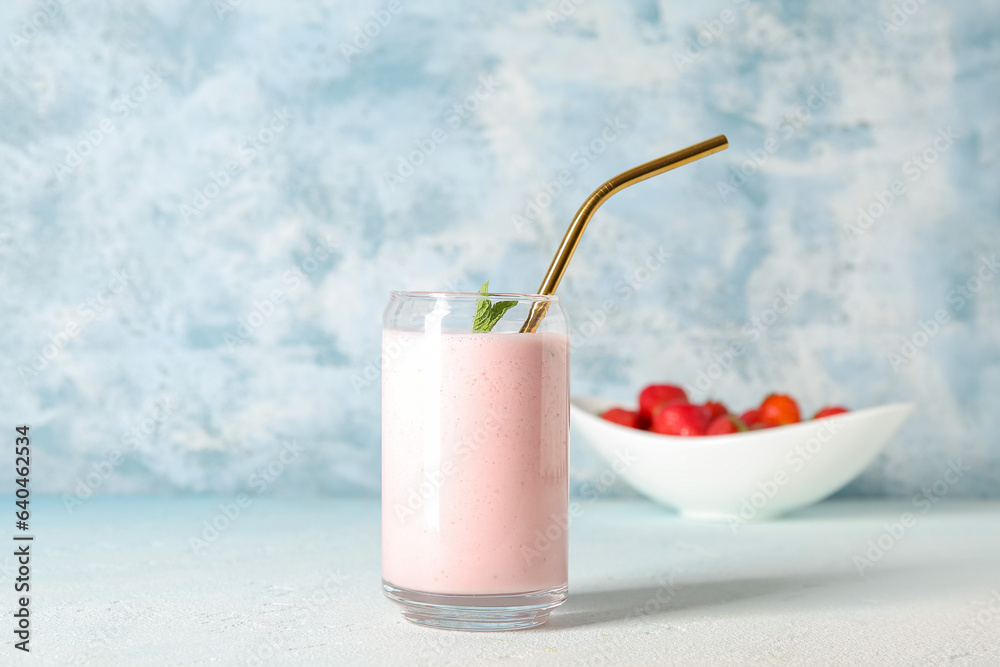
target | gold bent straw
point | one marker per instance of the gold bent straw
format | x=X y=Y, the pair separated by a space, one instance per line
x=594 y=201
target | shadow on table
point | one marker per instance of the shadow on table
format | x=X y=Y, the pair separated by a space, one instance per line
x=597 y=607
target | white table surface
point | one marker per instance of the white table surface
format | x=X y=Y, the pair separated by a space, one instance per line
x=116 y=582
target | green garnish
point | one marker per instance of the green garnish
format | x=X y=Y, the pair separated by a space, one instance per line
x=487 y=313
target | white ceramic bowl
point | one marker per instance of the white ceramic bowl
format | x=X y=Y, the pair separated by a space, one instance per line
x=742 y=476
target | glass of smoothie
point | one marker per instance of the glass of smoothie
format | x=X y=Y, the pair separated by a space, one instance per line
x=475 y=422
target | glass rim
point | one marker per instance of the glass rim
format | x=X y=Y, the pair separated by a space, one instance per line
x=535 y=298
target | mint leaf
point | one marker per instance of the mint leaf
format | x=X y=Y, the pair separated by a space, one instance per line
x=482 y=308
x=498 y=311
x=488 y=314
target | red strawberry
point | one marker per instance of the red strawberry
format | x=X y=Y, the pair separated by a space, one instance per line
x=714 y=410
x=680 y=419
x=722 y=425
x=623 y=417
x=751 y=418
x=778 y=410
x=656 y=394
x=827 y=412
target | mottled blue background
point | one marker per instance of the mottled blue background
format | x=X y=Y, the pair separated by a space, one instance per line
x=120 y=119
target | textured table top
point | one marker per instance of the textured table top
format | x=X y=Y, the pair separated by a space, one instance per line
x=117 y=581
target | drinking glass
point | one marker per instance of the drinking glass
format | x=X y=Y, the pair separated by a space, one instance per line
x=474 y=460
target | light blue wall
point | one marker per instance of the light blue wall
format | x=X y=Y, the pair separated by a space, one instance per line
x=157 y=99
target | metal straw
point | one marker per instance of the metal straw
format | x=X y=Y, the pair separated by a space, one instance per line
x=598 y=197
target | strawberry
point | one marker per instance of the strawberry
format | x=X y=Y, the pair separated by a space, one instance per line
x=714 y=410
x=623 y=417
x=679 y=419
x=751 y=418
x=656 y=394
x=722 y=425
x=778 y=410
x=829 y=411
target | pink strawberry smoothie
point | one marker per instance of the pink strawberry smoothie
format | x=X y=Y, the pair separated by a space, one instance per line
x=474 y=461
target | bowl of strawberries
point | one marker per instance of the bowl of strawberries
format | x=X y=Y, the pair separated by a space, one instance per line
x=710 y=463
